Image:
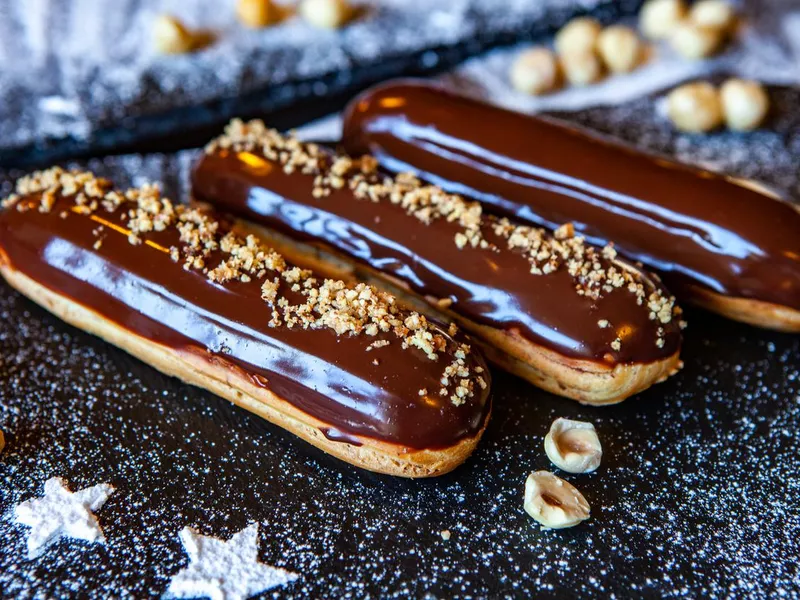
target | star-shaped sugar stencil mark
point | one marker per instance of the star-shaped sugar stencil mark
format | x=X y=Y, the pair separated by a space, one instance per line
x=60 y=512
x=224 y=570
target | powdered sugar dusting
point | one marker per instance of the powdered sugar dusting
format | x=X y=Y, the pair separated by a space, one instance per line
x=695 y=496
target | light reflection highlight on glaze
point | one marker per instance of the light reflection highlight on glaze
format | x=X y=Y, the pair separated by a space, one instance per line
x=696 y=226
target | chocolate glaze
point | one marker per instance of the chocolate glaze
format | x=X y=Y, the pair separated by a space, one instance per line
x=331 y=377
x=491 y=288
x=694 y=226
x=335 y=435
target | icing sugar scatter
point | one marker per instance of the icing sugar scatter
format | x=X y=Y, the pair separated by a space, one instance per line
x=696 y=496
x=62 y=513
x=224 y=569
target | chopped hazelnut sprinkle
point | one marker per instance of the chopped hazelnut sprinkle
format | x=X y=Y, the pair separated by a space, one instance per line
x=223 y=256
x=596 y=271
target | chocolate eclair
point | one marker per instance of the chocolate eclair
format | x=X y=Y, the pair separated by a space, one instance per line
x=718 y=242
x=341 y=366
x=569 y=317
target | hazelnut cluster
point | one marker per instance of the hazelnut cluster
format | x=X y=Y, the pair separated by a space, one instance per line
x=171 y=36
x=572 y=446
x=584 y=52
x=698 y=107
x=693 y=33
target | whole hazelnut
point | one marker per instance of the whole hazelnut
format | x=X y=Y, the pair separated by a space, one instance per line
x=745 y=104
x=695 y=41
x=695 y=107
x=620 y=48
x=658 y=18
x=554 y=503
x=256 y=13
x=171 y=36
x=327 y=14
x=581 y=68
x=717 y=14
x=535 y=71
x=578 y=36
x=573 y=446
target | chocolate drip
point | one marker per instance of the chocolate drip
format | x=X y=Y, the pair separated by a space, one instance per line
x=335 y=435
x=696 y=227
x=490 y=287
x=339 y=379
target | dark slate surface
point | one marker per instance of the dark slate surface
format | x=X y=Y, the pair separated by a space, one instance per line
x=697 y=494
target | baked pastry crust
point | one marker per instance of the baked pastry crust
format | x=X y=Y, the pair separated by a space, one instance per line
x=753 y=312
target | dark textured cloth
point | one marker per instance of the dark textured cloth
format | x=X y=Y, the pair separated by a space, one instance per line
x=87 y=70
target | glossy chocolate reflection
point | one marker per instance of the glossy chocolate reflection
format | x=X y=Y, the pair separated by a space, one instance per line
x=489 y=287
x=694 y=226
x=335 y=378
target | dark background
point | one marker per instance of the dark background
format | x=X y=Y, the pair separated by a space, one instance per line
x=697 y=495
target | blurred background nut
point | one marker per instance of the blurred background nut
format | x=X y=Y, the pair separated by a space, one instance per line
x=620 y=48
x=554 y=503
x=573 y=446
x=578 y=36
x=581 y=68
x=535 y=71
x=717 y=14
x=695 y=41
x=659 y=18
x=327 y=14
x=257 y=13
x=171 y=36
x=745 y=104
x=695 y=107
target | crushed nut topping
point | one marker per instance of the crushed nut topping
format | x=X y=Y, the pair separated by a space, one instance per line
x=596 y=271
x=378 y=344
x=295 y=296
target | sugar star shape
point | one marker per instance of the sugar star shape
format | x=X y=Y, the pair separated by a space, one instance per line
x=62 y=513
x=223 y=570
